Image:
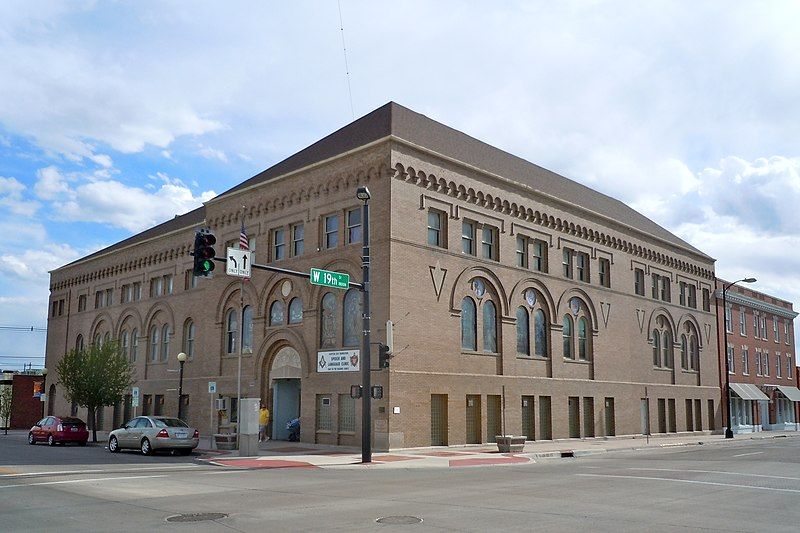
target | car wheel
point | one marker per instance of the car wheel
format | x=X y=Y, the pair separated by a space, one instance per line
x=113 y=444
x=146 y=448
x=51 y=441
x=31 y=439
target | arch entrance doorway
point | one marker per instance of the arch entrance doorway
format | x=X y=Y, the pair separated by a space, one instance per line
x=284 y=380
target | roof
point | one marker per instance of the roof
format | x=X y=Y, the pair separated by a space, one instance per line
x=402 y=123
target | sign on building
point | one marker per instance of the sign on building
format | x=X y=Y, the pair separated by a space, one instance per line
x=339 y=361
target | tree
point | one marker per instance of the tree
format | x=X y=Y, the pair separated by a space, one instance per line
x=95 y=377
x=5 y=407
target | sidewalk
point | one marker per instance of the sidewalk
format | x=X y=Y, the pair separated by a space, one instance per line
x=282 y=454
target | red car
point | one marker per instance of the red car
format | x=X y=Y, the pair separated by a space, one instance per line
x=58 y=430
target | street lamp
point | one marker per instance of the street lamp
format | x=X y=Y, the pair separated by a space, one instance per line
x=44 y=388
x=725 y=287
x=362 y=193
x=181 y=360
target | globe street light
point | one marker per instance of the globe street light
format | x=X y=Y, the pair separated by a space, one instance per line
x=181 y=360
x=725 y=287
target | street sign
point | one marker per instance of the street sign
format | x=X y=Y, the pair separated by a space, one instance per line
x=212 y=387
x=135 y=397
x=238 y=262
x=338 y=361
x=328 y=278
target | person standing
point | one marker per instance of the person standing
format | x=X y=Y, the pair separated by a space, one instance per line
x=263 y=422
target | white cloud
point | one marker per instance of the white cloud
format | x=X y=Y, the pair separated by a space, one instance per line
x=11 y=198
x=51 y=184
x=211 y=153
x=34 y=264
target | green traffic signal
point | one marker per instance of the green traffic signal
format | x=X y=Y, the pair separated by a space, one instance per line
x=204 y=252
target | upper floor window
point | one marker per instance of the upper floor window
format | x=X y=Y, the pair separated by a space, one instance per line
x=231 y=331
x=745 y=361
x=789 y=366
x=436 y=228
x=758 y=362
x=522 y=251
x=778 y=365
x=665 y=289
x=765 y=363
x=278 y=244
x=638 y=283
x=567 y=337
x=604 y=272
x=354 y=225
x=468 y=237
x=731 y=361
x=775 y=329
x=566 y=262
x=728 y=319
x=134 y=344
x=469 y=324
x=663 y=346
x=539 y=255
x=190 y=280
x=328 y=321
x=155 y=338
x=742 y=322
x=247 y=328
x=188 y=338
x=489 y=327
x=764 y=327
x=786 y=332
x=692 y=296
x=331 y=239
x=295 y=311
x=276 y=313
x=352 y=320
x=165 y=338
x=79 y=343
x=297 y=239
x=582 y=266
x=156 y=286
x=706 y=300
x=682 y=293
x=137 y=290
x=489 y=245
x=98 y=299
x=109 y=297
x=479 y=316
x=583 y=346
x=124 y=340
x=82 y=303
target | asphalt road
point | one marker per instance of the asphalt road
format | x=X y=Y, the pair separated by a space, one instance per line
x=746 y=485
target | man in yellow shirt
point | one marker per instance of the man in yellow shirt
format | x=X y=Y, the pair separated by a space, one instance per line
x=263 y=422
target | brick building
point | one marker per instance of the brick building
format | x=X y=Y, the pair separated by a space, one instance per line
x=523 y=302
x=761 y=359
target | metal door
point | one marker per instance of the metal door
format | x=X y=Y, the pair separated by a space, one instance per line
x=473 y=419
x=528 y=425
x=574 y=418
x=588 y=417
x=438 y=420
x=698 y=415
x=494 y=414
x=545 y=418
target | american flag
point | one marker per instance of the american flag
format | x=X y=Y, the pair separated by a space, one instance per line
x=244 y=243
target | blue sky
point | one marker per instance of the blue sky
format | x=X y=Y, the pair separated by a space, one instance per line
x=115 y=116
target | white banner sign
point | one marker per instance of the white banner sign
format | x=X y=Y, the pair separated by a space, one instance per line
x=238 y=262
x=339 y=361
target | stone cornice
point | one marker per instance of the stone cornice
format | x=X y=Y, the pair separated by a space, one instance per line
x=740 y=299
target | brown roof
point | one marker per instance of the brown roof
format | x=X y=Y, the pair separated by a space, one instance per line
x=403 y=123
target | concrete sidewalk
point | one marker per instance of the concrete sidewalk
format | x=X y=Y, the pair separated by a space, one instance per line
x=282 y=454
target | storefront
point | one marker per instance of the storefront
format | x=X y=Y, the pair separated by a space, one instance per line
x=781 y=415
x=744 y=401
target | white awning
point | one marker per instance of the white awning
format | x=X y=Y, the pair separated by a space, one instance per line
x=748 y=391
x=793 y=393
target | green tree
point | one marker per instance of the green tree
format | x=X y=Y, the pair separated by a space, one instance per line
x=5 y=407
x=95 y=377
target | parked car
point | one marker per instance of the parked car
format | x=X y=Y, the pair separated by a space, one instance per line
x=58 y=430
x=150 y=433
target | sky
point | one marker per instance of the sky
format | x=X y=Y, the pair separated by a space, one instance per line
x=118 y=115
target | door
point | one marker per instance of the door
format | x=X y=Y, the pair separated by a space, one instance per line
x=528 y=423
x=494 y=421
x=588 y=417
x=438 y=420
x=574 y=418
x=610 y=423
x=473 y=421
x=285 y=406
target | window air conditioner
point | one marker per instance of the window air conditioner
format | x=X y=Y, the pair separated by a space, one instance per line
x=221 y=404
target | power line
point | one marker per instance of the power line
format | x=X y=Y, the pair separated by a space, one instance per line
x=22 y=328
x=346 y=68
x=25 y=357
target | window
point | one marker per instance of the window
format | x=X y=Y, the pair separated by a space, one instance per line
x=731 y=362
x=137 y=290
x=295 y=311
x=331 y=231
x=583 y=350
x=247 y=328
x=789 y=366
x=694 y=352
x=566 y=262
x=778 y=365
x=668 y=349
x=276 y=313
x=692 y=296
x=134 y=345
x=352 y=322
x=684 y=353
x=468 y=237
x=469 y=325
x=79 y=343
x=539 y=250
x=775 y=329
x=436 y=228
x=489 y=248
x=567 y=337
x=124 y=344
x=638 y=284
x=98 y=299
x=728 y=319
x=656 y=348
x=297 y=239
x=765 y=364
x=742 y=322
x=665 y=289
x=354 y=228
x=125 y=293
x=745 y=360
x=706 y=300
x=786 y=330
x=231 y=331
x=682 y=297
x=154 y=341
x=540 y=329
x=328 y=321
x=109 y=297
x=190 y=280
x=763 y=327
x=489 y=327
x=523 y=332
x=522 y=251
x=758 y=362
x=654 y=288
x=188 y=339
x=82 y=303
x=278 y=244
x=582 y=266
x=165 y=335
x=604 y=272
x=156 y=287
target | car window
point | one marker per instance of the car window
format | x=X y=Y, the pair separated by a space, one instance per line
x=132 y=422
x=143 y=423
x=41 y=422
x=49 y=421
x=72 y=420
x=170 y=423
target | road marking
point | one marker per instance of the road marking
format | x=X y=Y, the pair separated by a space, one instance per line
x=77 y=481
x=691 y=481
x=96 y=471
x=715 y=472
x=744 y=454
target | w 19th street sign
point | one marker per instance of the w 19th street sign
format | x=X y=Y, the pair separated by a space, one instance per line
x=327 y=278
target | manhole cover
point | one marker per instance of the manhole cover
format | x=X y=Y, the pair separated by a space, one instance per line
x=196 y=517
x=399 y=520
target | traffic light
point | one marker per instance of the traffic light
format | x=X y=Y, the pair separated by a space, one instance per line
x=385 y=350
x=204 y=252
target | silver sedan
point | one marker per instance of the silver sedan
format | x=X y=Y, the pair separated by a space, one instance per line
x=150 y=433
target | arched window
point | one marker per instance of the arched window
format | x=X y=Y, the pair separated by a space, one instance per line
x=165 y=335
x=231 y=331
x=583 y=343
x=540 y=333
x=276 y=313
x=469 y=325
x=79 y=343
x=124 y=344
x=352 y=329
x=106 y=337
x=247 y=328
x=567 y=337
x=684 y=353
x=295 y=311
x=668 y=349
x=694 y=353
x=523 y=332
x=656 y=348
x=489 y=327
x=188 y=339
x=154 y=340
x=98 y=340
x=134 y=344
x=327 y=336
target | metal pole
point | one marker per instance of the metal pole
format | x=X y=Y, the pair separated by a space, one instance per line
x=366 y=414
x=180 y=393
x=44 y=390
x=728 y=429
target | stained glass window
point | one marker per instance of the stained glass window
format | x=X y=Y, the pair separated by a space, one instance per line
x=276 y=313
x=352 y=318
x=328 y=322
x=489 y=327
x=523 y=332
x=295 y=311
x=540 y=333
x=468 y=325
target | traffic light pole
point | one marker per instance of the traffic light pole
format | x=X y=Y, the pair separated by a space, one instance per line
x=288 y=272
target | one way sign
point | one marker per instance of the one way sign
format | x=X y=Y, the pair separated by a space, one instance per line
x=238 y=262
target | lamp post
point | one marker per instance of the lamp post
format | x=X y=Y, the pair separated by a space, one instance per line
x=725 y=287
x=362 y=193
x=44 y=388
x=181 y=360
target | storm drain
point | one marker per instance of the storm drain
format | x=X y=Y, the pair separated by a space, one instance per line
x=196 y=517
x=399 y=520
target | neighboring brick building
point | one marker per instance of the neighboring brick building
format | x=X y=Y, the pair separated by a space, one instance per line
x=26 y=409
x=503 y=279
x=761 y=359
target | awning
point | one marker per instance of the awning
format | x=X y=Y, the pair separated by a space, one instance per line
x=793 y=393
x=748 y=391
